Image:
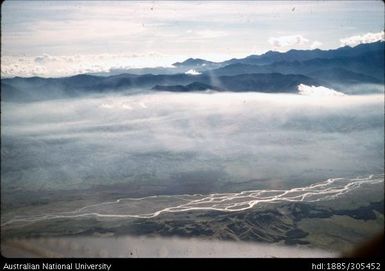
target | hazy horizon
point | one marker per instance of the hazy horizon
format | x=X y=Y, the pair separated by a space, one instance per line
x=67 y=38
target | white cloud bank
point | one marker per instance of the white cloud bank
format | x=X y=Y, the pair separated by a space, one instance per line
x=46 y=65
x=192 y=72
x=317 y=91
x=316 y=44
x=365 y=38
x=171 y=136
x=287 y=41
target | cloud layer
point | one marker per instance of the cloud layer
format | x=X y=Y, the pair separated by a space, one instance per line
x=192 y=72
x=286 y=41
x=317 y=91
x=47 y=65
x=364 y=38
x=190 y=142
x=316 y=44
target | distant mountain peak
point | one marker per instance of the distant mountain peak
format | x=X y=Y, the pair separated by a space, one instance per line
x=193 y=62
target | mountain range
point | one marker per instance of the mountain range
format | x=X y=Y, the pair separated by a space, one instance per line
x=270 y=72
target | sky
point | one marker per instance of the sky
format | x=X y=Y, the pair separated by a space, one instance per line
x=68 y=37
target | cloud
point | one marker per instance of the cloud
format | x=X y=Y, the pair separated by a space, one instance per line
x=192 y=72
x=316 y=44
x=160 y=137
x=287 y=41
x=317 y=91
x=44 y=58
x=46 y=65
x=365 y=38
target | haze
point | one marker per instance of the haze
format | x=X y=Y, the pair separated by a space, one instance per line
x=210 y=139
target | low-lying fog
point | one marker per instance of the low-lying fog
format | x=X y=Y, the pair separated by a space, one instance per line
x=201 y=139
